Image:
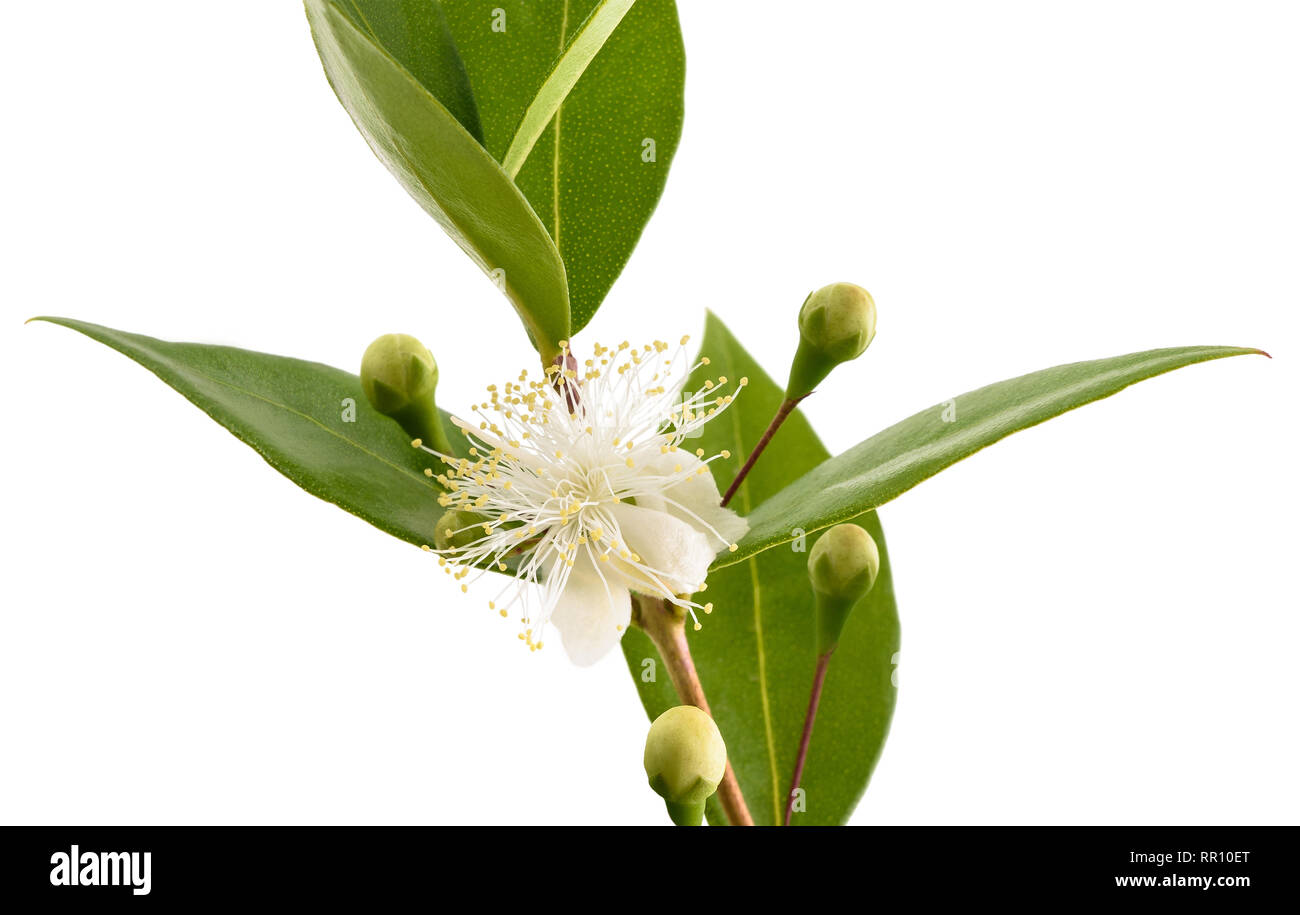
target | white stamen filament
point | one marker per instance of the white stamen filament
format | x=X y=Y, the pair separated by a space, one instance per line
x=543 y=480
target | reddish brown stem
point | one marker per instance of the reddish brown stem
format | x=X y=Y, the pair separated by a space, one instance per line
x=819 y=678
x=667 y=630
x=786 y=408
x=565 y=362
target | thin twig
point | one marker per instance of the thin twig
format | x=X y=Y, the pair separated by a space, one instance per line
x=819 y=678
x=667 y=629
x=786 y=408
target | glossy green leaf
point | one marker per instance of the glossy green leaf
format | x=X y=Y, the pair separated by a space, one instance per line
x=447 y=171
x=295 y=414
x=756 y=652
x=893 y=461
x=415 y=33
x=596 y=172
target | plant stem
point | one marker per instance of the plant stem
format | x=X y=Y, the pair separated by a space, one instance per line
x=819 y=678
x=667 y=629
x=565 y=362
x=787 y=406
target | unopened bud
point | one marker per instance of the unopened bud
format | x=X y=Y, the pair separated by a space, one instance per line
x=836 y=324
x=685 y=759
x=458 y=529
x=842 y=566
x=399 y=376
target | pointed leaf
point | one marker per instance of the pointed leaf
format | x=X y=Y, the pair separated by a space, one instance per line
x=893 y=461
x=445 y=169
x=294 y=414
x=596 y=172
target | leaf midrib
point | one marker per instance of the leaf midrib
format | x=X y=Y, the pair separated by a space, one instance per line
x=555 y=158
x=405 y=471
x=756 y=583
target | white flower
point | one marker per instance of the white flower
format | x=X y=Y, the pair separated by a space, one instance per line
x=580 y=485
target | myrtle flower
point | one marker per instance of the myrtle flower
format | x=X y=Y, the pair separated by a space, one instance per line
x=582 y=486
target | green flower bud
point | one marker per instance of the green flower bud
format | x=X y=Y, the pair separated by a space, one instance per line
x=842 y=566
x=685 y=759
x=836 y=323
x=399 y=376
x=457 y=529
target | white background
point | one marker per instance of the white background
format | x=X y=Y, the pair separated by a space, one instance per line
x=1099 y=615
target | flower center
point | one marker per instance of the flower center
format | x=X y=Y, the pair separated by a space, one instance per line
x=552 y=459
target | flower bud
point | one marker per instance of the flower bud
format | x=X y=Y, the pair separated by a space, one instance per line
x=457 y=529
x=836 y=323
x=842 y=567
x=685 y=759
x=399 y=376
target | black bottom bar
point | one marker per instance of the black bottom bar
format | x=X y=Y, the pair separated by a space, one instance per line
x=101 y=865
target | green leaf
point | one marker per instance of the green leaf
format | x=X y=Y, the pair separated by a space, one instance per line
x=587 y=176
x=893 y=461
x=756 y=652
x=294 y=414
x=445 y=169
x=415 y=33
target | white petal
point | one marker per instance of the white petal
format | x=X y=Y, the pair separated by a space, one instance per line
x=677 y=553
x=592 y=613
x=696 y=499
